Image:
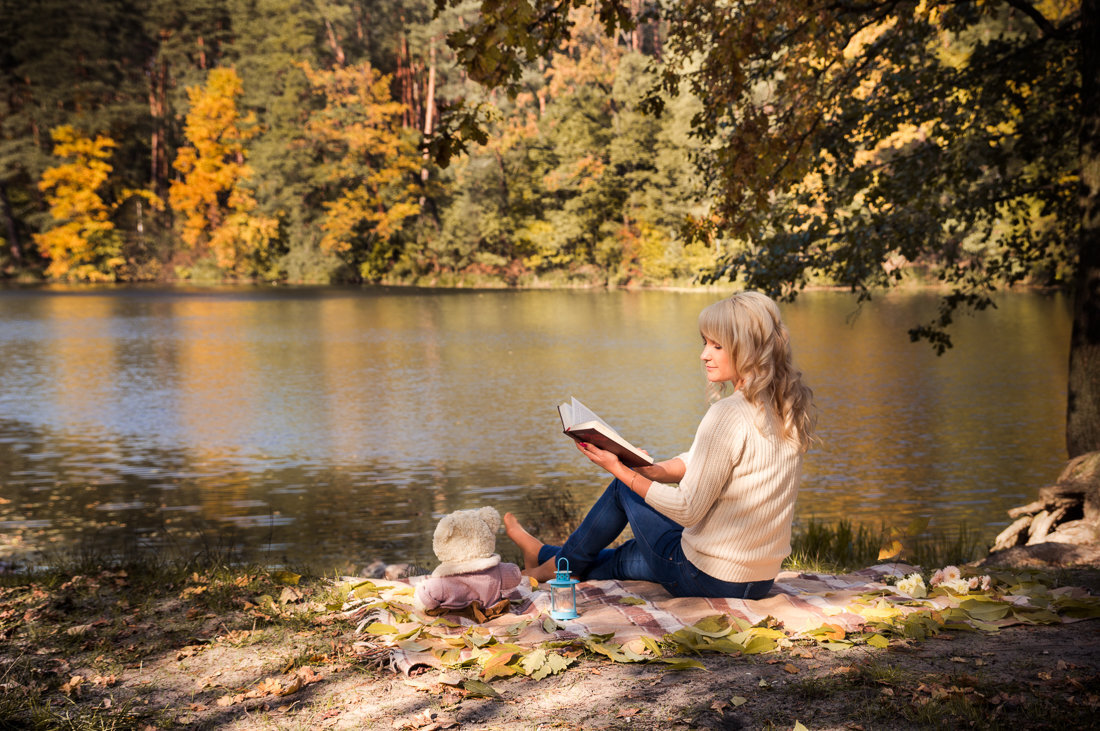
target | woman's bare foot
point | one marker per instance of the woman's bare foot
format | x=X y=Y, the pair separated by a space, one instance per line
x=544 y=572
x=527 y=543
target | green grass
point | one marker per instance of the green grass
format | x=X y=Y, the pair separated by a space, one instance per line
x=845 y=546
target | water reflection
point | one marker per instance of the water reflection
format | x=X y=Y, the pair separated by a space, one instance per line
x=336 y=426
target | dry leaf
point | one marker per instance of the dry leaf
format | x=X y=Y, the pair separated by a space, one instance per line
x=289 y=595
x=790 y=668
x=627 y=712
x=889 y=551
x=73 y=686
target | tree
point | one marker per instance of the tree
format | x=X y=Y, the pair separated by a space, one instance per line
x=843 y=137
x=216 y=207
x=371 y=167
x=64 y=64
x=85 y=244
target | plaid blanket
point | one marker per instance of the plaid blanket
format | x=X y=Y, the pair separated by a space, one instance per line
x=630 y=610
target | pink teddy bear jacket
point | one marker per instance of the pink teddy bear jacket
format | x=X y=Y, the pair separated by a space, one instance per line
x=455 y=591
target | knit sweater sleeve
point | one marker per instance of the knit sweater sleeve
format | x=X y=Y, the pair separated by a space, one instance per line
x=717 y=448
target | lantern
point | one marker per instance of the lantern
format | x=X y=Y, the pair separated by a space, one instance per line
x=563 y=593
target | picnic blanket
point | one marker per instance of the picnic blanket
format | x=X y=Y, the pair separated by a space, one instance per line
x=799 y=603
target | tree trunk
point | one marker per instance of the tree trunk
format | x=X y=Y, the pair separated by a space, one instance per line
x=429 y=113
x=13 y=234
x=1083 y=405
x=636 y=34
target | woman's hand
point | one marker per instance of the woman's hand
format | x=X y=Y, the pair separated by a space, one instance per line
x=600 y=457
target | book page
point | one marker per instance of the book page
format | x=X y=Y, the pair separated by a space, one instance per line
x=581 y=413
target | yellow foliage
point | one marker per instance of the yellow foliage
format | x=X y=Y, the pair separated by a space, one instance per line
x=84 y=245
x=216 y=210
x=588 y=56
x=372 y=162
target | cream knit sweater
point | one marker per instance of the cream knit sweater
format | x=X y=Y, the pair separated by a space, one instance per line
x=736 y=499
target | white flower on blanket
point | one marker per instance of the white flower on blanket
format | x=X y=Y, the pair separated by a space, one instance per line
x=913 y=586
x=950 y=579
x=946 y=574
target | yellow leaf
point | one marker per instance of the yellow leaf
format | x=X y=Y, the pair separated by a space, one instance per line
x=377 y=628
x=889 y=551
x=877 y=640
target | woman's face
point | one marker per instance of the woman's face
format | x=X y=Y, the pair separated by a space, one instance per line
x=719 y=362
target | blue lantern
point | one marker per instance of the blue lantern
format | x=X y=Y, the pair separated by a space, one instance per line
x=563 y=593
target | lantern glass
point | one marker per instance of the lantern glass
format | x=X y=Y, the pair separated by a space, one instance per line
x=563 y=601
x=563 y=593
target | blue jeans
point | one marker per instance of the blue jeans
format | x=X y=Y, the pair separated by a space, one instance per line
x=654 y=554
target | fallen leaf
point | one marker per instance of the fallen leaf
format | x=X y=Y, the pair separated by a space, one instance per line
x=790 y=668
x=477 y=688
x=73 y=686
x=628 y=712
x=889 y=551
x=289 y=595
x=286 y=577
x=738 y=700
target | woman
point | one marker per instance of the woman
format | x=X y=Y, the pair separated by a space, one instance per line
x=725 y=529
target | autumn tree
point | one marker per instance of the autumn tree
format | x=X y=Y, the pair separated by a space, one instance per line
x=370 y=167
x=84 y=244
x=211 y=200
x=843 y=138
x=64 y=64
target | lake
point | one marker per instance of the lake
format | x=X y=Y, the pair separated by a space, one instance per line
x=331 y=427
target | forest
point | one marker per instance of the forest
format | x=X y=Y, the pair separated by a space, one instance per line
x=331 y=141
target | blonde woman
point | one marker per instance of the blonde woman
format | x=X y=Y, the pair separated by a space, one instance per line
x=715 y=520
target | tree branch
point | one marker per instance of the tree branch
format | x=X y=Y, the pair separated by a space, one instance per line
x=1041 y=21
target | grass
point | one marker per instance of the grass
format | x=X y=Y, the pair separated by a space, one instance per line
x=844 y=546
x=93 y=617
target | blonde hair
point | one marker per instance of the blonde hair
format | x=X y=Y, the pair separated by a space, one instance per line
x=748 y=326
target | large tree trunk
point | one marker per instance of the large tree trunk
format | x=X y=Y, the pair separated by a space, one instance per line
x=1083 y=406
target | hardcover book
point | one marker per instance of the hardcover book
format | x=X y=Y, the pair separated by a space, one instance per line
x=581 y=424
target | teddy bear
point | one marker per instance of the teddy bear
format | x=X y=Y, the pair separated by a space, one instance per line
x=470 y=580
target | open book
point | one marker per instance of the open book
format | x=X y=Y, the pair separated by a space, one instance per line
x=582 y=424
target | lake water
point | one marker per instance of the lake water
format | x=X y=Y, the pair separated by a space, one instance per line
x=332 y=427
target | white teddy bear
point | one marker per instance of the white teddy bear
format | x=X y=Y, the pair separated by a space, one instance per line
x=471 y=575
